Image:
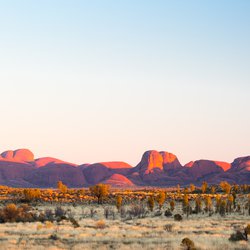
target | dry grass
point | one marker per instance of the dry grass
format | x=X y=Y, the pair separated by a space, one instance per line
x=138 y=233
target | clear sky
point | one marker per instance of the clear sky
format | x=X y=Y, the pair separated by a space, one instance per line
x=89 y=81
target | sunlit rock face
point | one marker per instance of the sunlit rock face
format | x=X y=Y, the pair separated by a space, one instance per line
x=20 y=155
x=153 y=161
x=170 y=161
x=44 y=161
x=118 y=180
x=18 y=168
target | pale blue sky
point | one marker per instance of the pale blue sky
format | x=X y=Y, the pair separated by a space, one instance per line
x=89 y=81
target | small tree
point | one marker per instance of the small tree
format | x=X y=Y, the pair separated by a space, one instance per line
x=161 y=199
x=185 y=204
x=192 y=188
x=178 y=189
x=204 y=187
x=100 y=191
x=213 y=189
x=225 y=186
x=222 y=209
x=151 y=203
x=31 y=194
x=62 y=187
x=118 y=202
x=218 y=202
x=208 y=203
x=172 y=204
x=230 y=200
x=198 y=204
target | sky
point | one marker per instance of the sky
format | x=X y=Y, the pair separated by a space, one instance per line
x=90 y=81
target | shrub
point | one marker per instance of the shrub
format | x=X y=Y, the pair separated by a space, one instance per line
x=151 y=203
x=49 y=215
x=222 y=208
x=10 y=213
x=53 y=236
x=247 y=231
x=168 y=213
x=158 y=213
x=100 y=224
x=123 y=212
x=161 y=197
x=197 y=205
x=31 y=194
x=204 y=187
x=74 y=222
x=108 y=211
x=137 y=210
x=169 y=227
x=237 y=236
x=59 y=212
x=92 y=212
x=48 y=224
x=225 y=186
x=177 y=217
x=172 y=205
x=187 y=244
x=118 y=202
x=100 y=191
x=62 y=187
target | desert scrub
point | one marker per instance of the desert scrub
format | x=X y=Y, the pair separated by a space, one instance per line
x=177 y=217
x=169 y=227
x=12 y=213
x=100 y=224
x=74 y=222
x=188 y=244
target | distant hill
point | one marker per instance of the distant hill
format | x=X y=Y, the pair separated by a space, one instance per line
x=19 y=168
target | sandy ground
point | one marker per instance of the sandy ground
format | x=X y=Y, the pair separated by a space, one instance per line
x=146 y=233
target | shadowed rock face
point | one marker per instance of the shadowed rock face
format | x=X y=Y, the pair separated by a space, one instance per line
x=19 y=169
x=241 y=164
x=204 y=167
x=49 y=175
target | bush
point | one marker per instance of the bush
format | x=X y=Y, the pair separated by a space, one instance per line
x=59 y=212
x=100 y=191
x=247 y=231
x=137 y=210
x=168 y=213
x=177 y=217
x=100 y=224
x=157 y=213
x=31 y=194
x=118 y=202
x=53 y=236
x=169 y=227
x=108 y=211
x=62 y=187
x=49 y=215
x=237 y=236
x=74 y=222
x=187 y=244
x=151 y=203
x=12 y=213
